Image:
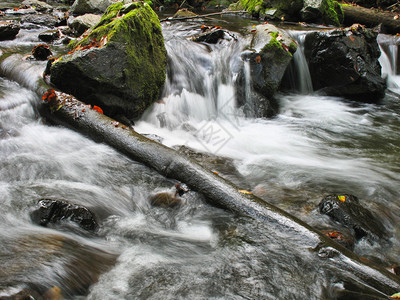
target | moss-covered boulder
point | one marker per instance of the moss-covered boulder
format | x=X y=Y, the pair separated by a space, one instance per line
x=322 y=11
x=345 y=62
x=120 y=65
x=317 y=11
x=271 y=50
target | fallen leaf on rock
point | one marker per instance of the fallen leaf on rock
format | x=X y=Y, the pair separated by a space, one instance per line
x=98 y=109
x=245 y=192
x=342 y=198
x=395 y=296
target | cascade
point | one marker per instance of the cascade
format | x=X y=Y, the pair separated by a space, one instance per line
x=388 y=60
x=314 y=146
x=299 y=73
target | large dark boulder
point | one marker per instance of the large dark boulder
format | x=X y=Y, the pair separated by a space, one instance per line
x=347 y=210
x=58 y=211
x=344 y=62
x=270 y=52
x=8 y=30
x=120 y=66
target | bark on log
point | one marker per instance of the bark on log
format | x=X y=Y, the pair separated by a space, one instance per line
x=218 y=191
x=204 y=16
x=371 y=18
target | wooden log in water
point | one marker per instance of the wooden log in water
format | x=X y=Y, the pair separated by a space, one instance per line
x=371 y=17
x=218 y=191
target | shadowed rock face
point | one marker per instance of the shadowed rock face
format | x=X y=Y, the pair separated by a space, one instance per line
x=344 y=62
x=8 y=30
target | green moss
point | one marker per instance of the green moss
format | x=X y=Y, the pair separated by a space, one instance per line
x=136 y=28
x=252 y=6
x=332 y=12
x=276 y=48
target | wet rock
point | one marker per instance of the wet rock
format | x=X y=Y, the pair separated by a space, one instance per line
x=82 y=23
x=81 y=7
x=41 y=52
x=8 y=30
x=120 y=66
x=344 y=62
x=39 y=6
x=345 y=240
x=49 y=36
x=322 y=11
x=271 y=51
x=169 y=199
x=50 y=265
x=56 y=211
x=40 y=19
x=346 y=210
x=211 y=36
x=184 y=13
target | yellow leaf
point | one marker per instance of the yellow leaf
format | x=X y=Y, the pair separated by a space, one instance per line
x=395 y=296
x=342 y=198
x=245 y=192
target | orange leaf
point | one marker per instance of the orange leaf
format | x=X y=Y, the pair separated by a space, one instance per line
x=98 y=109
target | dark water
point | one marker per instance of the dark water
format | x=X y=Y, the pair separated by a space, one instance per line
x=315 y=146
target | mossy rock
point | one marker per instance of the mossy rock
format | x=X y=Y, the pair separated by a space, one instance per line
x=120 y=65
x=270 y=52
x=273 y=51
x=328 y=12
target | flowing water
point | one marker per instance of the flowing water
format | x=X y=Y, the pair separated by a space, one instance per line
x=315 y=146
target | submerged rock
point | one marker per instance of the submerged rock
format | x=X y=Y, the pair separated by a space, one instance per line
x=271 y=51
x=8 y=30
x=56 y=211
x=169 y=199
x=344 y=62
x=50 y=266
x=120 y=66
x=346 y=210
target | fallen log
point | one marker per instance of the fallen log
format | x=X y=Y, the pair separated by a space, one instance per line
x=371 y=17
x=72 y=113
x=204 y=16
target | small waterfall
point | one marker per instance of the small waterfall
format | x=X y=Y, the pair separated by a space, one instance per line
x=200 y=82
x=388 y=60
x=299 y=74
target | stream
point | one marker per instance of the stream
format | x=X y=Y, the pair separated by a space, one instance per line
x=315 y=146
